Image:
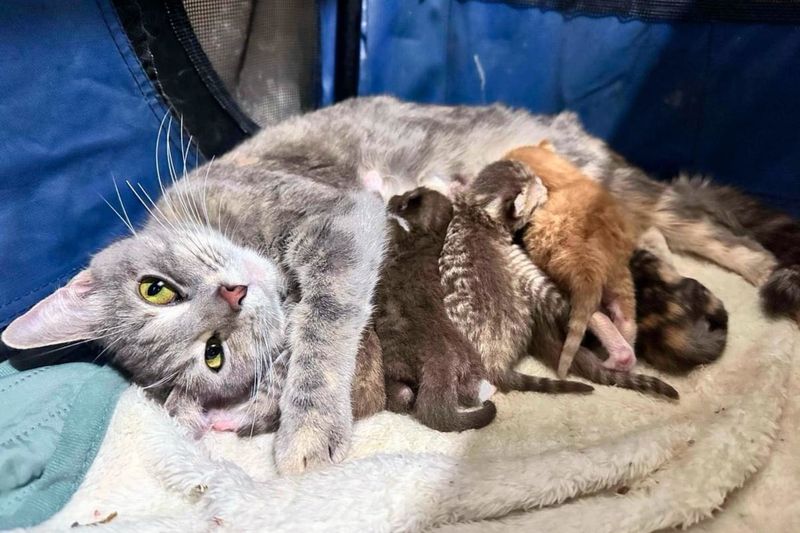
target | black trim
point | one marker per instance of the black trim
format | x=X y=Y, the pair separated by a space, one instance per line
x=348 y=49
x=183 y=31
x=748 y=11
x=160 y=33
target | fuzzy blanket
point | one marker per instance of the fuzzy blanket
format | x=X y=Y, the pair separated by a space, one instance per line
x=614 y=460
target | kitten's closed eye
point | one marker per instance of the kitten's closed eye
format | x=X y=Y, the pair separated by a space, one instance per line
x=157 y=291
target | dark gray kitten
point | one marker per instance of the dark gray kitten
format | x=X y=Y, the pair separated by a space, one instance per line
x=431 y=368
x=275 y=215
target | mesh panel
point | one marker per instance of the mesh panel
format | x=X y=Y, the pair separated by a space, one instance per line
x=265 y=52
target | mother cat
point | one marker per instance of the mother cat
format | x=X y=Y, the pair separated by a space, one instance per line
x=275 y=245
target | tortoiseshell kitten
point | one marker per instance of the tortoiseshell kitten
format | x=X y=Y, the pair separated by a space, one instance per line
x=681 y=324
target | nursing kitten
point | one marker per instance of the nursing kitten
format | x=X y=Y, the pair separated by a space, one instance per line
x=485 y=301
x=427 y=361
x=368 y=390
x=282 y=195
x=579 y=236
x=681 y=324
x=505 y=303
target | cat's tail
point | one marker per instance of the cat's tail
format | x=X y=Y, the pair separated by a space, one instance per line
x=737 y=232
x=587 y=365
x=513 y=380
x=586 y=294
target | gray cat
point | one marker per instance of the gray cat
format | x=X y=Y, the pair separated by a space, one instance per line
x=273 y=245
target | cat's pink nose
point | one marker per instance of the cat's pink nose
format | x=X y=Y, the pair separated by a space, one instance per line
x=233 y=295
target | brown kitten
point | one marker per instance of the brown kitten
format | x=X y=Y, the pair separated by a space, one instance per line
x=581 y=238
x=681 y=324
x=424 y=355
x=368 y=390
x=485 y=300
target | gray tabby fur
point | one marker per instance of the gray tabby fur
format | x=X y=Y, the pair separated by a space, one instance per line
x=289 y=196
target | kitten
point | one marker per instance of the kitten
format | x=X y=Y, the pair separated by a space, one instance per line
x=427 y=361
x=681 y=324
x=502 y=301
x=368 y=390
x=485 y=301
x=580 y=237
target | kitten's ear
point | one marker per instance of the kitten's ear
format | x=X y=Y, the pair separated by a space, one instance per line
x=69 y=314
x=520 y=206
x=547 y=145
x=533 y=195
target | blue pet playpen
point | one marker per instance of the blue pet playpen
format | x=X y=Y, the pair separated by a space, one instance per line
x=97 y=92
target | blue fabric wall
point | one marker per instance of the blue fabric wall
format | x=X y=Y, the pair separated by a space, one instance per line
x=715 y=98
x=76 y=111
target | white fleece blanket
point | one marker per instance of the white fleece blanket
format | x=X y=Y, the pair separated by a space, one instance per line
x=614 y=460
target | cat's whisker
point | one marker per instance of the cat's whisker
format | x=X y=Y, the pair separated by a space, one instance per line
x=124 y=221
x=155 y=206
x=170 y=163
x=176 y=183
x=205 y=190
x=162 y=381
x=183 y=158
x=161 y=187
x=122 y=205
x=147 y=207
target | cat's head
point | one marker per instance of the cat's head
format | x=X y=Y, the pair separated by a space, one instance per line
x=423 y=209
x=179 y=307
x=508 y=191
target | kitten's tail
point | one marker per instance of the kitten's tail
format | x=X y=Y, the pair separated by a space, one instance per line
x=585 y=301
x=589 y=366
x=437 y=401
x=512 y=380
x=445 y=416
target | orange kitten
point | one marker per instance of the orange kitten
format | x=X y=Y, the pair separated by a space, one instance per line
x=577 y=233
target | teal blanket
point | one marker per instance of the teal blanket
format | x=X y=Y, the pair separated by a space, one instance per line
x=52 y=421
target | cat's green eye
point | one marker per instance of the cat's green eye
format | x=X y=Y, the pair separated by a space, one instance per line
x=215 y=355
x=157 y=291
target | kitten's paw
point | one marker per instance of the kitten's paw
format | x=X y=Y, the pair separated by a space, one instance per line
x=310 y=441
x=623 y=361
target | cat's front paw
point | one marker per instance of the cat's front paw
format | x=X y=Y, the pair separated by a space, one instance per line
x=309 y=440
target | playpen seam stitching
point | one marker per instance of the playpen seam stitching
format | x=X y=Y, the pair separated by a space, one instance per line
x=122 y=55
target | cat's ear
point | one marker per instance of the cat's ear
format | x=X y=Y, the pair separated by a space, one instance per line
x=70 y=314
